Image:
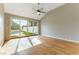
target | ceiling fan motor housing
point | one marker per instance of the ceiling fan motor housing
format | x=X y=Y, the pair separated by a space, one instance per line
x=38 y=11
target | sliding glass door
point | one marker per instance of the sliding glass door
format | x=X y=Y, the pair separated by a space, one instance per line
x=23 y=27
x=14 y=28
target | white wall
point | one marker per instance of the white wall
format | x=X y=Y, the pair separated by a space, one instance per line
x=1 y=25
x=62 y=22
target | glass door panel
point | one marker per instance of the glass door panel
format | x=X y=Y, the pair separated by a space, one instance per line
x=30 y=26
x=14 y=28
x=24 y=27
x=35 y=27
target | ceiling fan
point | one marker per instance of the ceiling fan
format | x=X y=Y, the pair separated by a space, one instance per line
x=38 y=11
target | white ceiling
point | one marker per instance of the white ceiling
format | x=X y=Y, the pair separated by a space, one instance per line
x=25 y=9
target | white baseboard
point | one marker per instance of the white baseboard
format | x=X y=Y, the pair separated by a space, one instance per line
x=63 y=39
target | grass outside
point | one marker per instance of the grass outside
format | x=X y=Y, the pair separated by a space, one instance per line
x=23 y=34
x=28 y=33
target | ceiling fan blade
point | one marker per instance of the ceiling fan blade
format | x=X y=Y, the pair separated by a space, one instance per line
x=34 y=12
x=34 y=9
x=41 y=9
x=43 y=12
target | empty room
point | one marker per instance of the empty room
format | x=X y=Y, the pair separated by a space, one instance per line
x=39 y=28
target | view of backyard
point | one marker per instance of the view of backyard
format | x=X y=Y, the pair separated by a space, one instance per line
x=20 y=28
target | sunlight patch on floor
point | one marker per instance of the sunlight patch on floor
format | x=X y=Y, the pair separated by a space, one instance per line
x=23 y=44
x=35 y=41
x=17 y=45
x=9 y=47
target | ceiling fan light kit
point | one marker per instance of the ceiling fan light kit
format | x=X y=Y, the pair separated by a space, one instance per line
x=38 y=13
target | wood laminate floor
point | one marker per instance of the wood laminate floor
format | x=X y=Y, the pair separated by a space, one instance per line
x=50 y=46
